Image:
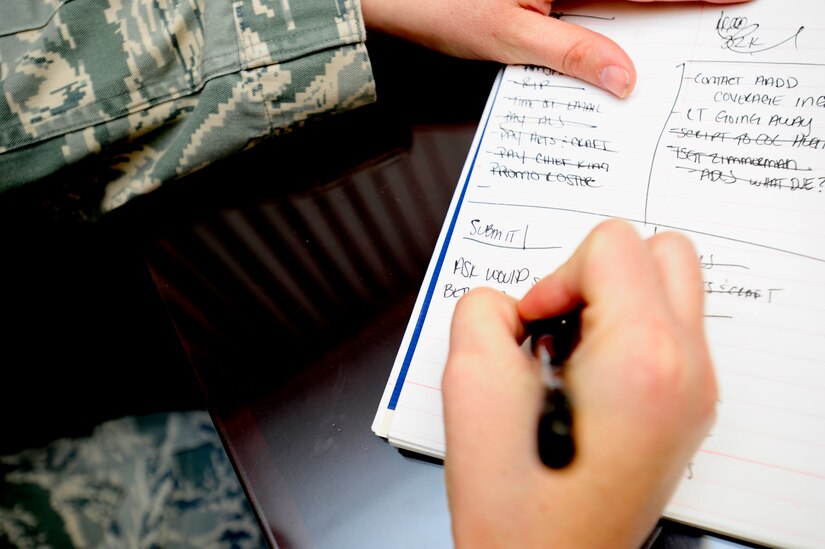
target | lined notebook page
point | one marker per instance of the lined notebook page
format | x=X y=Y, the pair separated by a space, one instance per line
x=724 y=140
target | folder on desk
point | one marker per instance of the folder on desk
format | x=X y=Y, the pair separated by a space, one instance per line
x=723 y=139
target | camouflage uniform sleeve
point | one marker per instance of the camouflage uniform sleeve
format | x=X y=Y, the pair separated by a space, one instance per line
x=156 y=89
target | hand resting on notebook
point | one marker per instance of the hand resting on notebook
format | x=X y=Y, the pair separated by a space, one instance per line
x=641 y=379
x=509 y=31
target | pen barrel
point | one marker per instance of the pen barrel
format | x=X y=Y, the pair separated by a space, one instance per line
x=555 y=432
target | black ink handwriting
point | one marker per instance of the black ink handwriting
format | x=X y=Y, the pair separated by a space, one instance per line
x=740 y=35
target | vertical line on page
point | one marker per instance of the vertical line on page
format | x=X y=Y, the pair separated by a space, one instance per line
x=405 y=366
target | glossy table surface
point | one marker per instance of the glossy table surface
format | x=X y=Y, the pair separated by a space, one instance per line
x=290 y=283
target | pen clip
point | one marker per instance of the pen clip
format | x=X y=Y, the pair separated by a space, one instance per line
x=558 y=335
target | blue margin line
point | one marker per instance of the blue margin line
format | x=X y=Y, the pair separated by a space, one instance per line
x=402 y=374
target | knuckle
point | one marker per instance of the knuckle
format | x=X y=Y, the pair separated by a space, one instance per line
x=674 y=243
x=613 y=228
x=659 y=365
x=612 y=234
x=674 y=375
x=540 y=6
x=576 y=56
x=480 y=301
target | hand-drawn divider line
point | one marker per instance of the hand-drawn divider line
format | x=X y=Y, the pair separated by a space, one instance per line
x=659 y=140
x=662 y=225
x=683 y=65
x=522 y=247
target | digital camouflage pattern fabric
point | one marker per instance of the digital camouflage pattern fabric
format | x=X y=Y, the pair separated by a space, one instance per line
x=156 y=89
x=162 y=480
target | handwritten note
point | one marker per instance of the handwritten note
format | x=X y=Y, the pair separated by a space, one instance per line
x=724 y=140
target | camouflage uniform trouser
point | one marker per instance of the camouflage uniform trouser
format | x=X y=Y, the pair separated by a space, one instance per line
x=155 y=481
x=156 y=89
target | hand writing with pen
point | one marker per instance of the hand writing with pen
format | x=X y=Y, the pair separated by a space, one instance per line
x=641 y=379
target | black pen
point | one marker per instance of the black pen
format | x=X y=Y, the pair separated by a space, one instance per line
x=553 y=341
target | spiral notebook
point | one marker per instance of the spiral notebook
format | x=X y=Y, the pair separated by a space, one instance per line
x=724 y=140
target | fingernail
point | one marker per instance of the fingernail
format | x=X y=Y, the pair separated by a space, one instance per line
x=615 y=80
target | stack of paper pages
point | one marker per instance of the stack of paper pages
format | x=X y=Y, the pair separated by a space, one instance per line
x=722 y=139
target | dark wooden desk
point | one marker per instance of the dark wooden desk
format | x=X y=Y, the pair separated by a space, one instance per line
x=291 y=305
x=292 y=312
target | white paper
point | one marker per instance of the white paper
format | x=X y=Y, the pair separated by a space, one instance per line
x=724 y=140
